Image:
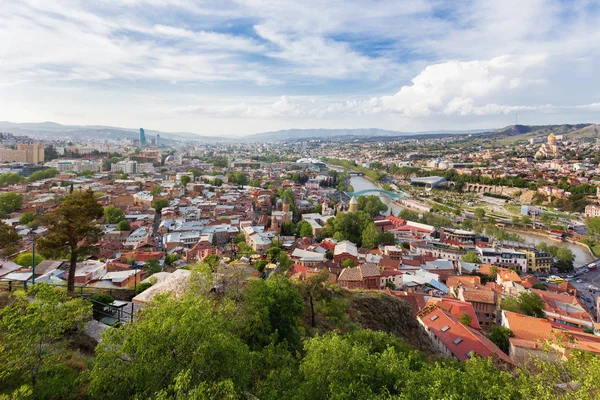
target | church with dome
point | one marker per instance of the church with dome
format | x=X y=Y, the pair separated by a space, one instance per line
x=550 y=149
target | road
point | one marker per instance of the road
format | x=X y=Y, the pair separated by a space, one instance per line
x=587 y=279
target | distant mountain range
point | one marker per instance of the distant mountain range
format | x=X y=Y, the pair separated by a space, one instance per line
x=515 y=133
x=52 y=130
x=291 y=134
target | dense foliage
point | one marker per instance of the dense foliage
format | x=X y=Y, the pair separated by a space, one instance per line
x=254 y=343
x=10 y=202
x=72 y=230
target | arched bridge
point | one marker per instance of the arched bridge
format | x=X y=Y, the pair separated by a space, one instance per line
x=367 y=192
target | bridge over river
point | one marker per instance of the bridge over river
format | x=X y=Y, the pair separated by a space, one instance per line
x=368 y=192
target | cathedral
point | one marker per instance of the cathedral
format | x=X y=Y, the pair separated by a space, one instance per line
x=551 y=149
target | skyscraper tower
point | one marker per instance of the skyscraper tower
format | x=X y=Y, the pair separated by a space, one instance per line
x=142 y=137
x=157 y=140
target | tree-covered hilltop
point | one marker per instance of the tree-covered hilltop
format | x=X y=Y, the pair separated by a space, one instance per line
x=273 y=339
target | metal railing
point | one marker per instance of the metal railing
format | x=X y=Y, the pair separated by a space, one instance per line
x=101 y=310
x=117 y=294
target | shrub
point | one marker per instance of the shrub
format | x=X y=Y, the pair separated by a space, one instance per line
x=142 y=286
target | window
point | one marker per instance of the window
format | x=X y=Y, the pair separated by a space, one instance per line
x=433 y=318
x=445 y=328
x=458 y=340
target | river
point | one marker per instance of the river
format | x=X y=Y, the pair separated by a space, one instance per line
x=582 y=256
x=361 y=183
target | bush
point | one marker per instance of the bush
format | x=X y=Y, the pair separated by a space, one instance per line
x=98 y=308
x=102 y=298
x=25 y=259
x=141 y=287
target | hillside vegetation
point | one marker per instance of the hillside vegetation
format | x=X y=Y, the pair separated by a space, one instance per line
x=514 y=133
x=271 y=339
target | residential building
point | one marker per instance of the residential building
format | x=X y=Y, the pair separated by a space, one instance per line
x=592 y=211
x=365 y=276
x=25 y=153
x=503 y=257
x=484 y=303
x=454 y=339
x=535 y=337
x=345 y=250
x=538 y=260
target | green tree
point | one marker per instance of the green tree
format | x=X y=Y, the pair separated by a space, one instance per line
x=72 y=230
x=273 y=253
x=9 y=240
x=43 y=174
x=372 y=205
x=239 y=238
x=156 y=190
x=471 y=257
x=212 y=261
x=260 y=265
x=50 y=153
x=386 y=237
x=26 y=218
x=185 y=179
x=124 y=225
x=159 y=204
x=113 y=215
x=593 y=225
x=174 y=336
x=349 y=263
x=333 y=362
x=565 y=258
x=527 y=303
x=10 y=202
x=288 y=228
x=313 y=290
x=304 y=229
x=284 y=261
x=370 y=236
x=10 y=179
x=171 y=258
x=408 y=215
x=25 y=259
x=270 y=312
x=500 y=336
x=479 y=213
x=465 y=319
x=33 y=329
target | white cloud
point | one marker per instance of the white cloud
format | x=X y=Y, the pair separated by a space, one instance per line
x=457 y=87
x=384 y=63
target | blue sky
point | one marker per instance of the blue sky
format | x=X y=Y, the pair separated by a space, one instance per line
x=246 y=66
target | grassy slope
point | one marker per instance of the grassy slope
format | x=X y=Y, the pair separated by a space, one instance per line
x=570 y=131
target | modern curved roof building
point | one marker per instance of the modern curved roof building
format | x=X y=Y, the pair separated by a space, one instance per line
x=429 y=182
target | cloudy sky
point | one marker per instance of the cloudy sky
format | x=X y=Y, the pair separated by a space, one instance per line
x=234 y=67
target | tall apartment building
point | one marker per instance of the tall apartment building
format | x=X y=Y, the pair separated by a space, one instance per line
x=127 y=166
x=26 y=153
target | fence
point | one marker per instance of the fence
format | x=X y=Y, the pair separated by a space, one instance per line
x=117 y=294
x=106 y=313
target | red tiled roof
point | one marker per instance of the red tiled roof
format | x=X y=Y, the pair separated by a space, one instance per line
x=458 y=338
x=531 y=332
x=457 y=308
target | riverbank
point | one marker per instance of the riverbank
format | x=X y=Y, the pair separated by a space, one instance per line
x=583 y=253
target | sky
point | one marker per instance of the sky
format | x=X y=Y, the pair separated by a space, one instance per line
x=237 y=67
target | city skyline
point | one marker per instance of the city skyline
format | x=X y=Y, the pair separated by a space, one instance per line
x=247 y=67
